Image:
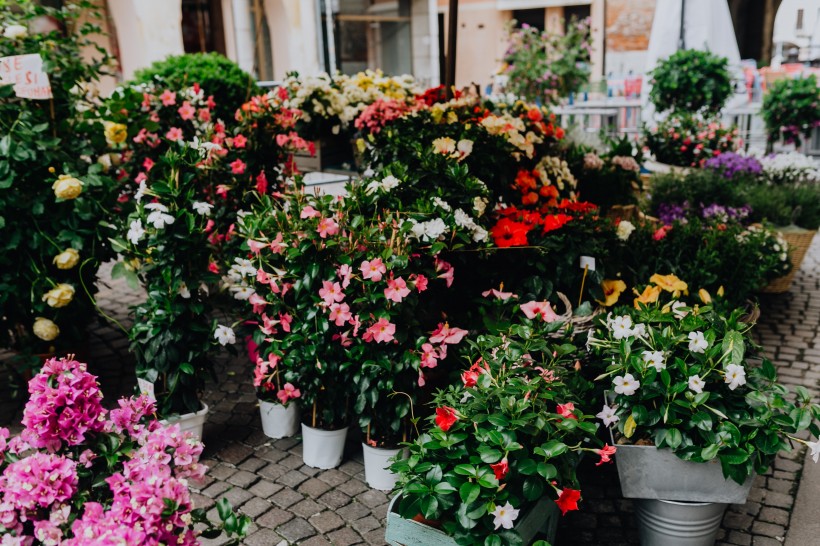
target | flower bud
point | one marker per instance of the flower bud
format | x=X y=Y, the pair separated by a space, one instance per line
x=45 y=329
x=67 y=259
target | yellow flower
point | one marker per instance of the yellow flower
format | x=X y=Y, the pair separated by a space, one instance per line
x=67 y=259
x=670 y=283
x=59 y=296
x=704 y=296
x=437 y=112
x=650 y=295
x=720 y=291
x=452 y=117
x=67 y=187
x=45 y=329
x=613 y=288
x=360 y=145
x=115 y=133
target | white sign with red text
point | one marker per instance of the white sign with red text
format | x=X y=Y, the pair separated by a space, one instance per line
x=25 y=73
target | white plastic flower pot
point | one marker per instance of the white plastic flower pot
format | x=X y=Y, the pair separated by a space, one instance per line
x=279 y=421
x=376 y=463
x=675 y=523
x=323 y=448
x=190 y=422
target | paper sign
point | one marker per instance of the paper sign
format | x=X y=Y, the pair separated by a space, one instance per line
x=146 y=388
x=25 y=73
x=588 y=262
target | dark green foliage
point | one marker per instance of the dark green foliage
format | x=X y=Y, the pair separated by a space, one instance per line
x=691 y=81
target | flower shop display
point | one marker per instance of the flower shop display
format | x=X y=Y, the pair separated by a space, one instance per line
x=55 y=200
x=544 y=66
x=343 y=288
x=166 y=247
x=791 y=109
x=691 y=81
x=608 y=178
x=791 y=167
x=505 y=439
x=77 y=471
x=686 y=140
x=229 y=85
x=684 y=377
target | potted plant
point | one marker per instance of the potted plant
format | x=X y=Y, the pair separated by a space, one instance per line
x=695 y=415
x=691 y=81
x=336 y=285
x=76 y=472
x=791 y=110
x=166 y=249
x=497 y=461
x=683 y=141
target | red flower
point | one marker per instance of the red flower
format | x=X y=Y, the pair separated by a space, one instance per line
x=445 y=417
x=661 y=233
x=582 y=207
x=470 y=376
x=605 y=452
x=500 y=468
x=565 y=410
x=568 y=500
x=555 y=221
x=508 y=233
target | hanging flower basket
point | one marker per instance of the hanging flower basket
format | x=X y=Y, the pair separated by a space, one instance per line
x=799 y=241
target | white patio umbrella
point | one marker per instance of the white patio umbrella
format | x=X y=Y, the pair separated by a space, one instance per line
x=707 y=26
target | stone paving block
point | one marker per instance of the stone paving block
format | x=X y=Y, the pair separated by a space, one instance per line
x=255 y=507
x=235 y=453
x=352 y=487
x=365 y=524
x=775 y=515
x=326 y=521
x=286 y=498
x=273 y=518
x=371 y=498
x=335 y=499
x=292 y=479
x=253 y=464
x=264 y=489
x=739 y=539
x=243 y=479
x=316 y=541
x=313 y=488
x=263 y=537
x=353 y=511
x=296 y=530
x=272 y=471
x=306 y=508
x=237 y=496
x=345 y=535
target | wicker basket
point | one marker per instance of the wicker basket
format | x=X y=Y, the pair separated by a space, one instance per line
x=799 y=242
x=632 y=214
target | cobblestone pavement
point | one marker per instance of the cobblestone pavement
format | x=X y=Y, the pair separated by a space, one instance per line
x=293 y=504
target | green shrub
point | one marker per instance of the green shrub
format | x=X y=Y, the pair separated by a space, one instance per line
x=791 y=109
x=218 y=76
x=785 y=204
x=698 y=187
x=691 y=81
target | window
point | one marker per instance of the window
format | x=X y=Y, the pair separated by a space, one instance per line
x=202 y=26
x=532 y=17
x=799 y=25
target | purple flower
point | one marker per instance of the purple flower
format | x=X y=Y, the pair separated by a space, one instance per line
x=671 y=212
x=38 y=481
x=730 y=164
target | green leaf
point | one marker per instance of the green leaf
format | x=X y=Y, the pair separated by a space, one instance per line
x=469 y=492
x=429 y=507
x=702 y=420
x=734 y=346
x=709 y=452
x=553 y=448
x=492 y=540
x=533 y=488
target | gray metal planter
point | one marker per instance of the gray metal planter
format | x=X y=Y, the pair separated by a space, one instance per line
x=542 y=517
x=672 y=523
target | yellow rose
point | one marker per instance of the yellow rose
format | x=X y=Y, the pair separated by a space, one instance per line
x=115 y=133
x=650 y=295
x=670 y=283
x=67 y=259
x=67 y=187
x=613 y=289
x=59 y=296
x=45 y=329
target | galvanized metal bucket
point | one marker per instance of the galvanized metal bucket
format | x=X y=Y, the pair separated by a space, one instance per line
x=675 y=523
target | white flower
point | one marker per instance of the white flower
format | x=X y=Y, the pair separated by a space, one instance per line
x=372 y=187
x=244 y=267
x=654 y=358
x=156 y=207
x=160 y=219
x=504 y=516
x=639 y=330
x=135 y=232
x=607 y=415
x=697 y=343
x=202 y=208
x=465 y=148
x=735 y=376
x=390 y=182
x=625 y=229
x=621 y=327
x=678 y=310
x=183 y=291
x=224 y=335
x=15 y=31
x=479 y=204
x=815 y=449
x=140 y=192
x=696 y=384
x=242 y=292
x=435 y=229
x=440 y=203
x=463 y=219
x=626 y=384
x=479 y=234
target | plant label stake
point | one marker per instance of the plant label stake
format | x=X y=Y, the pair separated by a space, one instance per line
x=588 y=264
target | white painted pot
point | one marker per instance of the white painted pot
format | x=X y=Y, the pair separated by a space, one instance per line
x=673 y=523
x=376 y=463
x=190 y=422
x=323 y=448
x=279 y=421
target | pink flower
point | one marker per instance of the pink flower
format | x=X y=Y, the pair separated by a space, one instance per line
x=565 y=410
x=605 y=453
x=239 y=141
x=141 y=177
x=429 y=356
x=213 y=268
x=38 y=481
x=541 y=309
x=258 y=303
x=381 y=332
x=268 y=325
x=498 y=294
x=262 y=183
x=186 y=111
x=340 y=313
x=284 y=318
x=345 y=272
x=168 y=98
x=174 y=134
x=204 y=114
x=356 y=323
x=373 y=270
x=331 y=292
x=263 y=368
x=447 y=335
x=288 y=392
x=277 y=246
x=446 y=271
x=238 y=166
x=222 y=190
x=148 y=164
x=309 y=212
x=396 y=290
x=343 y=339
x=256 y=246
x=421 y=283
x=327 y=226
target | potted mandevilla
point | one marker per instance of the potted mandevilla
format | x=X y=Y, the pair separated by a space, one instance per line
x=695 y=416
x=497 y=460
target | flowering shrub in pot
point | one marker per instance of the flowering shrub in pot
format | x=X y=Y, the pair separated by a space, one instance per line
x=684 y=378
x=684 y=140
x=691 y=81
x=55 y=201
x=791 y=109
x=507 y=436
x=166 y=247
x=77 y=471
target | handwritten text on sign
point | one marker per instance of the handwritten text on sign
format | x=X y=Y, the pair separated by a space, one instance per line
x=25 y=73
